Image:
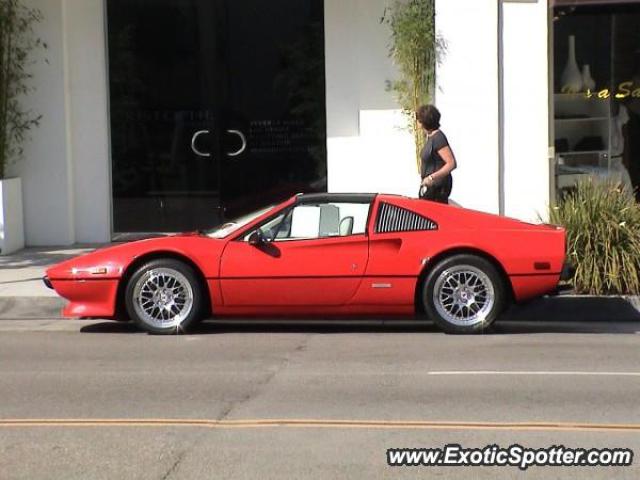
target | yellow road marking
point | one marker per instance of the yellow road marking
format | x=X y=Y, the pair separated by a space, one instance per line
x=311 y=423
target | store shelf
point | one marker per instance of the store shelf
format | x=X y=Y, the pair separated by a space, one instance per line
x=585 y=119
x=582 y=96
x=584 y=152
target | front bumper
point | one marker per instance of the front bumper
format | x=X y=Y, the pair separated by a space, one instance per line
x=87 y=298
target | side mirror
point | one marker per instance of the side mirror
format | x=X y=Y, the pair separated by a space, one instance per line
x=257 y=239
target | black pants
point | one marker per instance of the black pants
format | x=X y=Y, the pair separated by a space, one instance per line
x=440 y=193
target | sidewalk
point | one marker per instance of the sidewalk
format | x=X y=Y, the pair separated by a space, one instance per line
x=22 y=293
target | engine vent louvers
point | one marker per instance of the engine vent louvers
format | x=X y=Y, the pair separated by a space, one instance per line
x=397 y=219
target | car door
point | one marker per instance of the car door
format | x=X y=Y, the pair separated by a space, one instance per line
x=312 y=256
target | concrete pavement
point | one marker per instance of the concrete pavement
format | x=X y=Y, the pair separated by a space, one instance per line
x=22 y=293
x=21 y=273
x=325 y=371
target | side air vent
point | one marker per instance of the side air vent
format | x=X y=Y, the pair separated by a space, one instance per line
x=397 y=219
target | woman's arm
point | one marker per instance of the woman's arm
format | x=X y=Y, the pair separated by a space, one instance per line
x=449 y=165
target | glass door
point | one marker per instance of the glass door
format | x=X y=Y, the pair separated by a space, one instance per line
x=217 y=108
x=274 y=101
x=163 y=65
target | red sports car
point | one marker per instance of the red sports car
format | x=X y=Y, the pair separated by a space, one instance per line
x=322 y=254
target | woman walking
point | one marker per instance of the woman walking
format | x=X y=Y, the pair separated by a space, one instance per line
x=437 y=159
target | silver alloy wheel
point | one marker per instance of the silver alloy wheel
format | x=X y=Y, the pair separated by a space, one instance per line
x=163 y=298
x=463 y=295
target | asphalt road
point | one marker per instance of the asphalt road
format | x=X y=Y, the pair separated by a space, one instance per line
x=321 y=401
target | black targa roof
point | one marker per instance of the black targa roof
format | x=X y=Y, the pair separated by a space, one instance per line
x=336 y=197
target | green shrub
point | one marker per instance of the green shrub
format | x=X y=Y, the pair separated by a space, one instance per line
x=603 y=238
x=415 y=49
x=17 y=43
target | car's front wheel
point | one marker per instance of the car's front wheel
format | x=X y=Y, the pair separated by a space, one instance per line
x=464 y=294
x=164 y=296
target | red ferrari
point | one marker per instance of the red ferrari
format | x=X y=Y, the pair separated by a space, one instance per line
x=322 y=254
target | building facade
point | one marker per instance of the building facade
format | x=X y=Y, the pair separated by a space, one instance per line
x=166 y=115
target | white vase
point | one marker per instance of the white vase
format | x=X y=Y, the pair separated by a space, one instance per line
x=11 y=216
x=588 y=83
x=571 y=80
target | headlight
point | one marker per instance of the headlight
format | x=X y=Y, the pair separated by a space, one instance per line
x=90 y=271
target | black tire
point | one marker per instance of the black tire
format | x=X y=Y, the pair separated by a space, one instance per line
x=467 y=308
x=175 y=283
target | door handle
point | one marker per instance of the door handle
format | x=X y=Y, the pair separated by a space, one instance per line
x=194 y=139
x=200 y=153
x=243 y=139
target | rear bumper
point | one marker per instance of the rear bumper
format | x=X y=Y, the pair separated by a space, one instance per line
x=568 y=272
x=528 y=287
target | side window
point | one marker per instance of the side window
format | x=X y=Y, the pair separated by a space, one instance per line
x=397 y=219
x=310 y=221
x=273 y=227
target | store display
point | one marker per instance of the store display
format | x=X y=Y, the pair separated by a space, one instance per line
x=588 y=83
x=590 y=143
x=596 y=120
x=571 y=79
x=562 y=145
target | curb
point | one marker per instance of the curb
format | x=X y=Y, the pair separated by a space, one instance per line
x=31 y=308
x=577 y=308
x=564 y=308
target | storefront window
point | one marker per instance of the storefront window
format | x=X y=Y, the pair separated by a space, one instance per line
x=596 y=101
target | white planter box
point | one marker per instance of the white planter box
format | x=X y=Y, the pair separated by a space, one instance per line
x=11 y=216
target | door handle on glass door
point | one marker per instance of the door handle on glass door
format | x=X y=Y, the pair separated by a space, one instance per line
x=194 y=139
x=244 y=142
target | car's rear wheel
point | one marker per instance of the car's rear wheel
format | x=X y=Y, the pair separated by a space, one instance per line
x=464 y=294
x=164 y=296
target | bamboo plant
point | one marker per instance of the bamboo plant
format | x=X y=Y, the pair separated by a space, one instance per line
x=17 y=42
x=415 y=49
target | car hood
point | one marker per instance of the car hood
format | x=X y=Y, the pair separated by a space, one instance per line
x=113 y=261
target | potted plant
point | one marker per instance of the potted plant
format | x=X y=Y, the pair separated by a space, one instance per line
x=17 y=41
x=415 y=49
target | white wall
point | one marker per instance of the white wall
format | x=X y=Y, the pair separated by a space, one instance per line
x=65 y=171
x=493 y=95
x=468 y=98
x=46 y=170
x=526 y=109
x=88 y=119
x=368 y=151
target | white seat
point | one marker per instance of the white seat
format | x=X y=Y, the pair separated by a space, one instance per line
x=305 y=222
x=346 y=226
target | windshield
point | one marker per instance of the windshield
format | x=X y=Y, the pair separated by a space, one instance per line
x=232 y=226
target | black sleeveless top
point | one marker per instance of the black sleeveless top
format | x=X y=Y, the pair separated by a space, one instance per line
x=431 y=161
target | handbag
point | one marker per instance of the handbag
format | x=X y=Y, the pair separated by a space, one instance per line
x=429 y=193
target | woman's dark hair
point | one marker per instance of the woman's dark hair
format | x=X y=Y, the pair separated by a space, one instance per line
x=429 y=117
